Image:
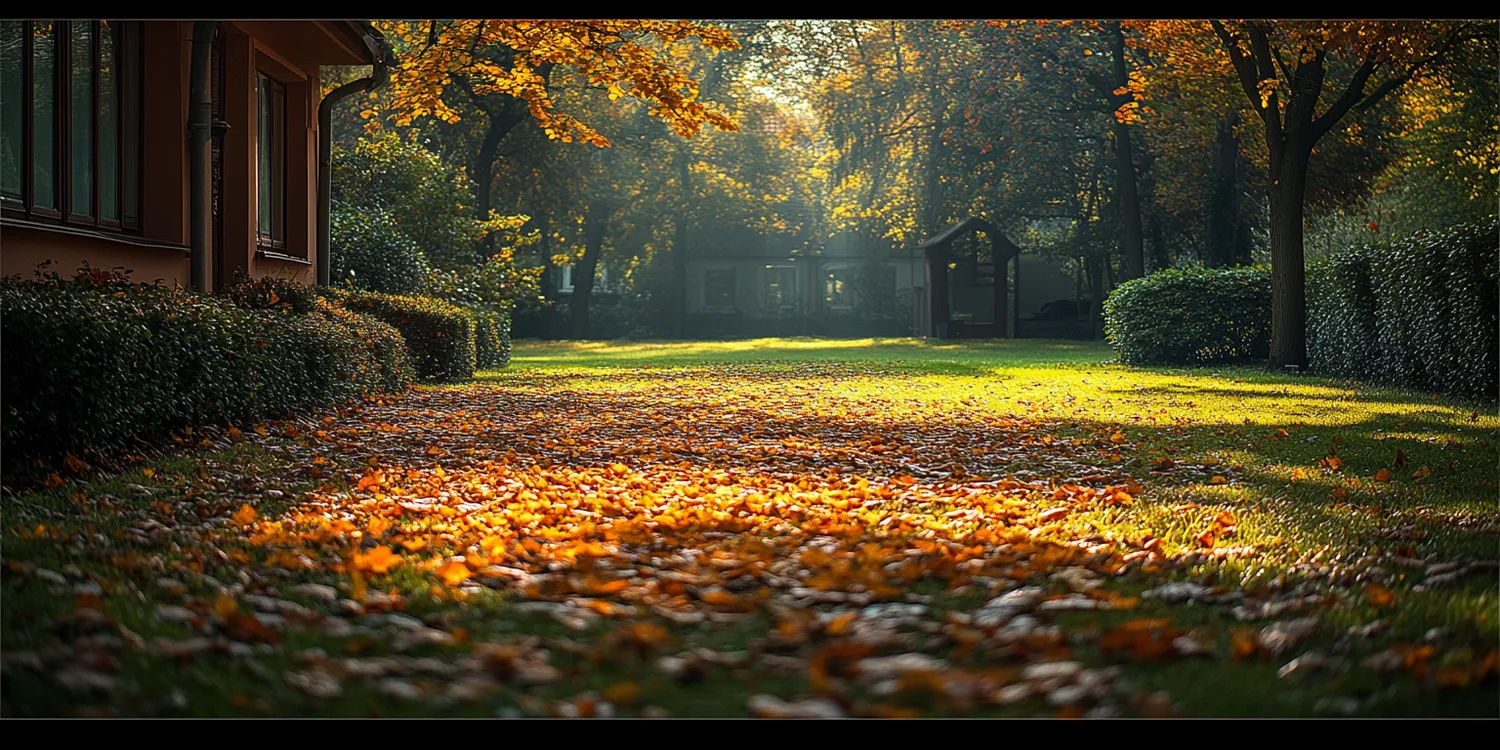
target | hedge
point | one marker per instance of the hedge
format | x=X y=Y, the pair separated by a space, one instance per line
x=491 y=339
x=96 y=364
x=439 y=336
x=1419 y=312
x=1191 y=316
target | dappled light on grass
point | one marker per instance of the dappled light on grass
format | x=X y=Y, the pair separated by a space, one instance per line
x=986 y=531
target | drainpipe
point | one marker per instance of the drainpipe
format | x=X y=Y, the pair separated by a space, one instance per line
x=200 y=112
x=380 y=53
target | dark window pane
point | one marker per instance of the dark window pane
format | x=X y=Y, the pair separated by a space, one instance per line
x=109 y=125
x=263 y=151
x=781 y=286
x=129 y=55
x=43 y=112
x=81 y=102
x=12 y=34
x=718 y=287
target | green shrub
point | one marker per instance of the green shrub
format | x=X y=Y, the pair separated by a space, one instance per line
x=272 y=293
x=94 y=365
x=1418 y=312
x=439 y=336
x=491 y=339
x=1191 y=316
x=369 y=252
x=378 y=349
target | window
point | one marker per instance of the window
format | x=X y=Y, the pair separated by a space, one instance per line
x=718 y=287
x=565 y=279
x=836 y=289
x=270 y=161
x=781 y=287
x=70 y=121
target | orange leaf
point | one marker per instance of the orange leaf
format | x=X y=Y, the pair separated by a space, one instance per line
x=453 y=572
x=1380 y=596
x=225 y=606
x=378 y=560
x=245 y=515
x=1384 y=475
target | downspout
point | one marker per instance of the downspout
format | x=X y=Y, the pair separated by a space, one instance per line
x=380 y=53
x=200 y=112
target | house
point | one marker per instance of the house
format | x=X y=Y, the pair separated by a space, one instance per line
x=745 y=283
x=110 y=156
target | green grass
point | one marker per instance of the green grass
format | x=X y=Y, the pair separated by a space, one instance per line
x=1211 y=422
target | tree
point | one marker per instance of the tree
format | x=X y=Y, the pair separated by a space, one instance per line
x=502 y=72
x=1283 y=68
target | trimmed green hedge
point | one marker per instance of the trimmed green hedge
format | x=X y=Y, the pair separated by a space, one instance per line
x=491 y=339
x=95 y=364
x=1191 y=316
x=439 y=336
x=1419 y=311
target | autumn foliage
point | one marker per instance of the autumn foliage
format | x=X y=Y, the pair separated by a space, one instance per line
x=623 y=56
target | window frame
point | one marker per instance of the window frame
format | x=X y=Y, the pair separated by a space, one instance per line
x=272 y=242
x=841 y=273
x=788 y=297
x=126 y=42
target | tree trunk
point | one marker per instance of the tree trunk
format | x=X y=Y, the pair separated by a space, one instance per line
x=500 y=123
x=679 y=307
x=1125 y=177
x=1159 y=257
x=548 y=281
x=1288 y=274
x=1222 y=212
x=596 y=221
x=679 y=278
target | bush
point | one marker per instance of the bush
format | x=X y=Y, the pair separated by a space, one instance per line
x=95 y=364
x=1191 y=316
x=439 y=336
x=272 y=293
x=369 y=252
x=491 y=339
x=1418 y=312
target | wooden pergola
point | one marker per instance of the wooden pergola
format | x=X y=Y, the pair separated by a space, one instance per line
x=938 y=251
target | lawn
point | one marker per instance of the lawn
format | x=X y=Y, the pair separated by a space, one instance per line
x=782 y=527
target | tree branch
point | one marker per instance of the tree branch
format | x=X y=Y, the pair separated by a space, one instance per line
x=1249 y=82
x=1351 y=96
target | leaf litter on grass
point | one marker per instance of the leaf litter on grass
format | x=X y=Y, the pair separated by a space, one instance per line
x=638 y=519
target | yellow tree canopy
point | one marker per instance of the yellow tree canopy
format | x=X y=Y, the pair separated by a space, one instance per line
x=512 y=58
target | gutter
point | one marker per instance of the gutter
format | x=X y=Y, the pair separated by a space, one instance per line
x=381 y=57
x=200 y=112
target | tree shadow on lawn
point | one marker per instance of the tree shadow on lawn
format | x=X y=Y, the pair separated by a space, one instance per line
x=1276 y=469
